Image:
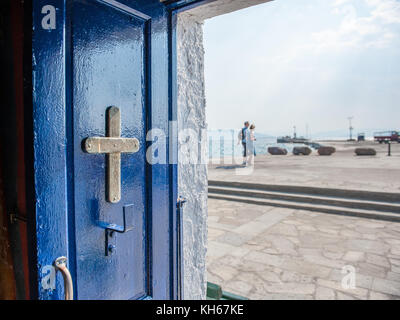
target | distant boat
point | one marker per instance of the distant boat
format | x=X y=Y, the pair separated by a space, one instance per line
x=289 y=139
x=387 y=136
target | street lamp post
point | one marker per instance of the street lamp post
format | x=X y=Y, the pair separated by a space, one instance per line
x=350 y=128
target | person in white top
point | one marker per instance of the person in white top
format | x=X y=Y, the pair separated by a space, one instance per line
x=251 y=151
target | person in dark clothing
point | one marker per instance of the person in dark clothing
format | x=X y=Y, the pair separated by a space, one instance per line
x=244 y=138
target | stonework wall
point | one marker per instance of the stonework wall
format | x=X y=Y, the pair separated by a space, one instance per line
x=192 y=177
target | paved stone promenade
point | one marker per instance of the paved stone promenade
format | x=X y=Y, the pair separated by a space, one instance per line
x=276 y=253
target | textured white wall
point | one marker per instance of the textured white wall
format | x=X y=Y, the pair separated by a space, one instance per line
x=192 y=178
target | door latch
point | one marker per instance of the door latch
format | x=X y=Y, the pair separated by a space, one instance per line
x=112 y=228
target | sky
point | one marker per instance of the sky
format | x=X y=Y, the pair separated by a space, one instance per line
x=305 y=63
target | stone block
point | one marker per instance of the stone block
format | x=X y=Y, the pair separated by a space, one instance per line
x=302 y=150
x=277 y=151
x=326 y=151
x=365 y=151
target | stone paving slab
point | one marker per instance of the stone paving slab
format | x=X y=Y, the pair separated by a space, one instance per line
x=271 y=253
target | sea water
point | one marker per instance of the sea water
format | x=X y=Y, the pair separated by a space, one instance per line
x=226 y=146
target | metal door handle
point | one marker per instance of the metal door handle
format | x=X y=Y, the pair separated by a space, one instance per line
x=61 y=265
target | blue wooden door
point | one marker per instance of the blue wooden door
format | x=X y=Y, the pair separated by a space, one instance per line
x=90 y=56
x=109 y=69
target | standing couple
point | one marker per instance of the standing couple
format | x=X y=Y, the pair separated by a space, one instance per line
x=247 y=137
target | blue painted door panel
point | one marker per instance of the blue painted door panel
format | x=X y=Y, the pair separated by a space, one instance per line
x=103 y=53
x=108 y=69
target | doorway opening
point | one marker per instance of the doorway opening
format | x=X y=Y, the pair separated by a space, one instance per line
x=295 y=224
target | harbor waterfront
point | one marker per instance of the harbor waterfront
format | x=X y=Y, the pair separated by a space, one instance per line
x=225 y=143
x=343 y=169
x=218 y=148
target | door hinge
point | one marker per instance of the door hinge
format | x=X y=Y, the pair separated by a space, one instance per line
x=15 y=217
x=180 y=202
